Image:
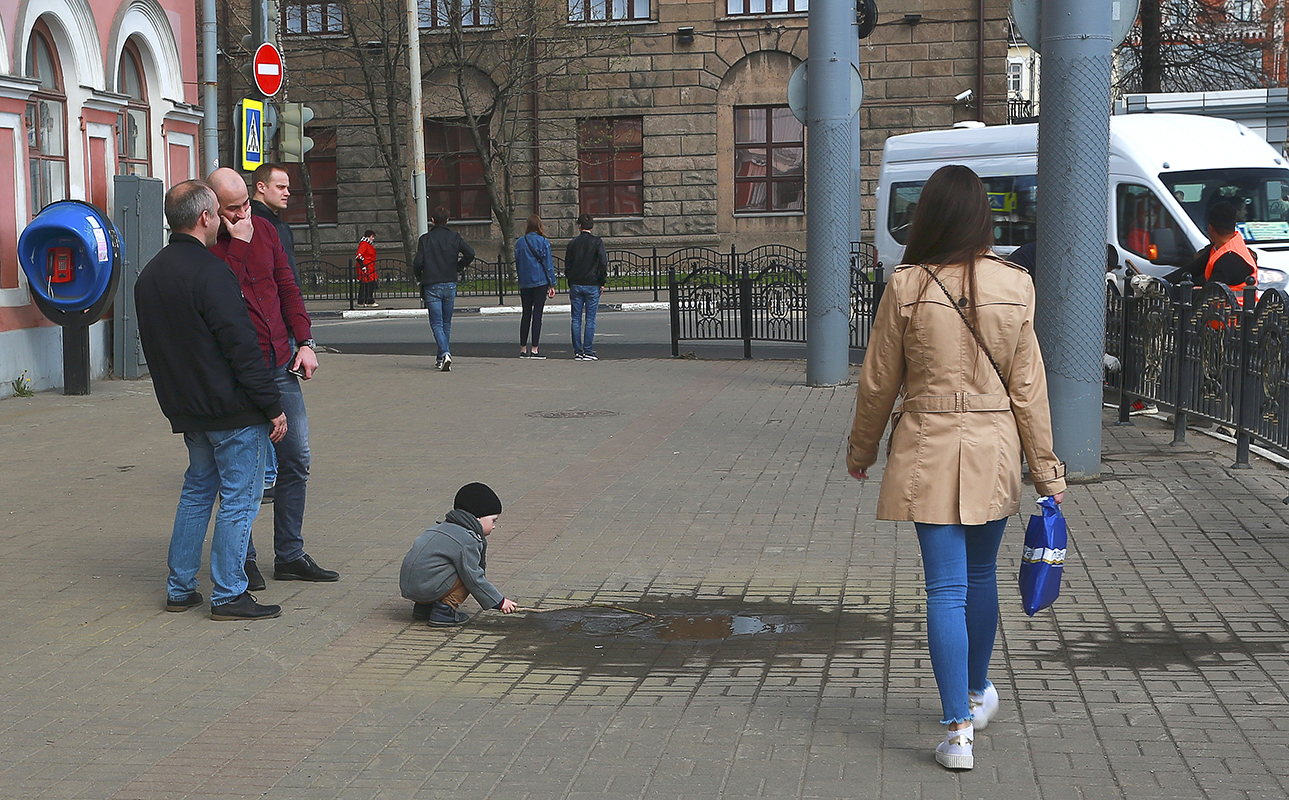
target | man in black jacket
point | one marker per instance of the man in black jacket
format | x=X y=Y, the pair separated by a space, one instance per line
x=441 y=254
x=270 y=190
x=211 y=383
x=586 y=266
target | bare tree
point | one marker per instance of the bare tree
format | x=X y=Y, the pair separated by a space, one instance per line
x=360 y=79
x=1198 y=45
x=494 y=57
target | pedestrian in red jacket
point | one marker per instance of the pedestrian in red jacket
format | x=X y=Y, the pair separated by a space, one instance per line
x=365 y=261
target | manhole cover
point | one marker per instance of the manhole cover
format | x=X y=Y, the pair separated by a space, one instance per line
x=573 y=413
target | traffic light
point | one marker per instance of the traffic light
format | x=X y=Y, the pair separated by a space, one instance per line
x=294 y=144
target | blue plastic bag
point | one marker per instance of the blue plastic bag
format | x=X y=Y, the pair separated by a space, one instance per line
x=1043 y=563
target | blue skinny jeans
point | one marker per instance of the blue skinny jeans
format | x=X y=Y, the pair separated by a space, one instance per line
x=961 y=567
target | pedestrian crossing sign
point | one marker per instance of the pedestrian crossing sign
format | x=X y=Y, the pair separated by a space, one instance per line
x=252 y=134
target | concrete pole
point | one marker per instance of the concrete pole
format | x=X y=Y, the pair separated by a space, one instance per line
x=856 y=157
x=1073 y=190
x=418 y=118
x=210 y=83
x=828 y=192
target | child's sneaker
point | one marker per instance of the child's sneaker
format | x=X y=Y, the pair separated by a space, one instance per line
x=955 y=752
x=983 y=706
x=443 y=615
x=422 y=611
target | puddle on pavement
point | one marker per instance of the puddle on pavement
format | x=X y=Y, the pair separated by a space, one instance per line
x=673 y=633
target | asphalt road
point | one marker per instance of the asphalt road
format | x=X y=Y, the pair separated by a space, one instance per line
x=618 y=334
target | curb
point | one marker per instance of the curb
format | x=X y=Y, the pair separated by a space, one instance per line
x=403 y=313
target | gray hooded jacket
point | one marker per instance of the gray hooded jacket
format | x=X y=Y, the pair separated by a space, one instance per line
x=454 y=548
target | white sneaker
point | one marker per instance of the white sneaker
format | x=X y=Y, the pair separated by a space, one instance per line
x=955 y=752
x=983 y=706
x=447 y=362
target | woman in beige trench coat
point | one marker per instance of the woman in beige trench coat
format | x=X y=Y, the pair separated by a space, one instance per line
x=953 y=459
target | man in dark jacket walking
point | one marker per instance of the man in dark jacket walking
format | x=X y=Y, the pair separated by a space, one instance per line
x=213 y=386
x=586 y=266
x=441 y=254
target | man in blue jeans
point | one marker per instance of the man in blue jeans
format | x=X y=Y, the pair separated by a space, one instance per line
x=586 y=266
x=213 y=386
x=251 y=248
x=441 y=254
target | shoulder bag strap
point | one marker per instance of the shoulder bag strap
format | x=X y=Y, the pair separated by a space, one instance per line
x=967 y=322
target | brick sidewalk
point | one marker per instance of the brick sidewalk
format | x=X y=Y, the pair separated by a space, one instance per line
x=765 y=638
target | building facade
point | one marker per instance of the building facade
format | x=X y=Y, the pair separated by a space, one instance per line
x=673 y=127
x=88 y=89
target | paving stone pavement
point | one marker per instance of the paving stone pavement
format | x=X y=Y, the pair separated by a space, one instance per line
x=713 y=612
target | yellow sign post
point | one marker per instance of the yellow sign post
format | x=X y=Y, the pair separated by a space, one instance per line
x=252 y=144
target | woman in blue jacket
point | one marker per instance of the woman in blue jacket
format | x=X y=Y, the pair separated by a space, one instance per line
x=536 y=282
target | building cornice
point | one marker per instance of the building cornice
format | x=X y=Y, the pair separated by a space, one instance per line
x=15 y=88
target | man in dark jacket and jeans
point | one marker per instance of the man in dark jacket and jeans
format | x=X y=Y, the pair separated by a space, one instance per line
x=441 y=254
x=213 y=386
x=586 y=265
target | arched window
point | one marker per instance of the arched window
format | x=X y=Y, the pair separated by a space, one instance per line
x=46 y=123
x=133 y=134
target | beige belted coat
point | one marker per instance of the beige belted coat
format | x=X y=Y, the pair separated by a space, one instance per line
x=955 y=449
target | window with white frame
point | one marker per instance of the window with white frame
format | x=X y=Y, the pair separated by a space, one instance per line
x=607 y=10
x=467 y=13
x=739 y=8
x=1015 y=72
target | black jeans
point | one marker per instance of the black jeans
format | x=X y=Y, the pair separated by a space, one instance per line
x=533 y=300
x=366 y=292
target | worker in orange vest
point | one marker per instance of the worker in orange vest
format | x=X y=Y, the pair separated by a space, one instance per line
x=1227 y=260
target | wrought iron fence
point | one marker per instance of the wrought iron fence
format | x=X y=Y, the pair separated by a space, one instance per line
x=759 y=295
x=1206 y=353
x=323 y=280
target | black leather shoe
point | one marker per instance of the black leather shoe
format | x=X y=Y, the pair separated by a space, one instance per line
x=179 y=606
x=443 y=615
x=254 y=579
x=422 y=611
x=243 y=608
x=303 y=569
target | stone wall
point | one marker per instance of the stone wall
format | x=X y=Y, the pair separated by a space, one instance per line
x=917 y=59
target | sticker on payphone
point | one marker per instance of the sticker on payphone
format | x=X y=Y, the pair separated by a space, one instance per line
x=59 y=265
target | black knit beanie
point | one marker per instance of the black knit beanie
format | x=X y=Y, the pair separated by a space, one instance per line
x=478 y=499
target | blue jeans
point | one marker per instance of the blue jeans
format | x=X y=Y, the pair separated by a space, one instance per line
x=228 y=465
x=961 y=566
x=584 y=298
x=270 y=469
x=293 y=474
x=439 y=299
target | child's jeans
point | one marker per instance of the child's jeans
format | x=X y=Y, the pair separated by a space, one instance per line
x=456 y=595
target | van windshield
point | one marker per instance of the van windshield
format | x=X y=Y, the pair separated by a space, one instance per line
x=1260 y=197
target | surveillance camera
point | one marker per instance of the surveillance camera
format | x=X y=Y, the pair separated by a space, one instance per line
x=962 y=97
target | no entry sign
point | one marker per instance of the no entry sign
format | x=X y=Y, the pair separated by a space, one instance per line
x=267 y=69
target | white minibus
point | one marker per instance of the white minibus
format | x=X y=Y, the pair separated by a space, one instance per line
x=1165 y=171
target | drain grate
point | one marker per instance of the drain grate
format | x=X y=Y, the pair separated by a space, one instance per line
x=573 y=413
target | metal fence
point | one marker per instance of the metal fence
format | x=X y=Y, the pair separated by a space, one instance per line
x=323 y=280
x=1200 y=351
x=758 y=295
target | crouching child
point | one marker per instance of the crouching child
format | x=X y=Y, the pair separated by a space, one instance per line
x=446 y=563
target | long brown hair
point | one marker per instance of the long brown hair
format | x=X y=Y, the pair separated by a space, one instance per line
x=953 y=224
x=535 y=226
